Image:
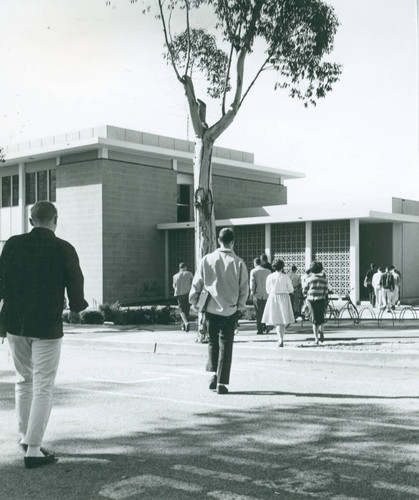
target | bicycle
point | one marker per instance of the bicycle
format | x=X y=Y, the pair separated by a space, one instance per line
x=333 y=312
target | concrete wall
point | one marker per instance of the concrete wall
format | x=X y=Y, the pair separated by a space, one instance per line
x=408 y=239
x=240 y=193
x=135 y=199
x=79 y=204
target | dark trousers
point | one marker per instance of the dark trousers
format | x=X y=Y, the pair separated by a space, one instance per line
x=220 y=345
x=183 y=301
x=371 y=294
x=259 y=308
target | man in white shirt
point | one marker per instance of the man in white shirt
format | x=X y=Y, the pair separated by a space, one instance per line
x=258 y=292
x=224 y=275
x=376 y=279
x=182 y=282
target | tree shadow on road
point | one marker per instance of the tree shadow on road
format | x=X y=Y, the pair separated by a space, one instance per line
x=297 y=450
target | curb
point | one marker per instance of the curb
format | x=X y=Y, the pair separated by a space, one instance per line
x=310 y=354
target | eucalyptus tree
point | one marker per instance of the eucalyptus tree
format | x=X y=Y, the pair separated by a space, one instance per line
x=296 y=37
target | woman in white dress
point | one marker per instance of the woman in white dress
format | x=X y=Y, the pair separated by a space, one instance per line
x=278 y=309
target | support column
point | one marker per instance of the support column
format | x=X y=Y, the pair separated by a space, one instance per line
x=354 y=260
x=22 y=189
x=309 y=243
x=268 y=241
x=166 y=263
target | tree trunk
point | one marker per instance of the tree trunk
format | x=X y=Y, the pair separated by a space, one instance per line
x=205 y=234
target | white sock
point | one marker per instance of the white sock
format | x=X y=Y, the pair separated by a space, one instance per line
x=34 y=451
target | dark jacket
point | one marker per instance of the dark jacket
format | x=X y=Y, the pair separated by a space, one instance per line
x=35 y=268
x=387 y=281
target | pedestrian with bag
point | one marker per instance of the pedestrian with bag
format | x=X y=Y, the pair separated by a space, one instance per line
x=223 y=275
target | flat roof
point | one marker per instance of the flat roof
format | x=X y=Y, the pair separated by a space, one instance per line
x=120 y=139
x=277 y=214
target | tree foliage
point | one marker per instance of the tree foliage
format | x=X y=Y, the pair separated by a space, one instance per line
x=297 y=35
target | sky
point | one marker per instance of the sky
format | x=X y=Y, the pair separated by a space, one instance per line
x=74 y=64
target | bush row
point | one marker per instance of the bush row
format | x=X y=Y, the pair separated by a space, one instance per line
x=144 y=315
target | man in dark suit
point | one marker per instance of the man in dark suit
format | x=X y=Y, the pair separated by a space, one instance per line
x=35 y=269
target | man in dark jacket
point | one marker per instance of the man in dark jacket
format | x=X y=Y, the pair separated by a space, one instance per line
x=35 y=270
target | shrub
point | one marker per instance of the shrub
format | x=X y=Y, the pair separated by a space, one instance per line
x=248 y=313
x=163 y=315
x=92 y=317
x=110 y=311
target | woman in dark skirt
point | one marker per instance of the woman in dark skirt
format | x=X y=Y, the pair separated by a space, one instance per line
x=315 y=290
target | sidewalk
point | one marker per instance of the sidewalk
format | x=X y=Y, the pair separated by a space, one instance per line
x=364 y=343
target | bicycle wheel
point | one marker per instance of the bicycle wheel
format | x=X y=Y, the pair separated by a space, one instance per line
x=353 y=313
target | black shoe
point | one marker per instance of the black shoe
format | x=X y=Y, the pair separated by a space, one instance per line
x=24 y=448
x=222 y=389
x=32 y=462
x=321 y=337
x=213 y=382
x=187 y=327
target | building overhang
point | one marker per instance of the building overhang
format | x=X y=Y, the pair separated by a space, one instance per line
x=122 y=140
x=365 y=216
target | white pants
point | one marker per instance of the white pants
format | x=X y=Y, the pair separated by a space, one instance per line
x=379 y=296
x=395 y=295
x=36 y=363
x=388 y=297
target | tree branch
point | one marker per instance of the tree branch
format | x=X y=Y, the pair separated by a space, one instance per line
x=262 y=68
x=188 y=31
x=194 y=106
x=226 y=120
x=166 y=38
x=227 y=78
x=250 y=32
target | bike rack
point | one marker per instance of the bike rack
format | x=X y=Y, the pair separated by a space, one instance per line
x=381 y=313
x=404 y=311
x=370 y=311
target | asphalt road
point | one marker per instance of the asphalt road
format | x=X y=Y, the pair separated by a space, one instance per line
x=129 y=425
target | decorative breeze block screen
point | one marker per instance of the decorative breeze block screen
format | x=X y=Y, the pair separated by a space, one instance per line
x=288 y=242
x=331 y=246
x=249 y=243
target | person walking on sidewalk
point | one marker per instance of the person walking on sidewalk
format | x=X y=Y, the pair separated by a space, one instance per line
x=35 y=270
x=316 y=290
x=368 y=284
x=224 y=275
x=258 y=292
x=182 y=282
x=387 y=286
x=296 y=296
x=278 y=309
x=376 y=283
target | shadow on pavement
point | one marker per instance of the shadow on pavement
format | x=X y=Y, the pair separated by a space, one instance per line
x=294 y=451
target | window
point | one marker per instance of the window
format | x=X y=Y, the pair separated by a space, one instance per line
x=15 y=190
x=41 y=186
x=10 y=191
x=52 y=185
x=30 y=188
x=183 y=202
x=6 y=190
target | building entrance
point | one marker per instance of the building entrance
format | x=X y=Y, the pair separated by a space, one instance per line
x=375 y=245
